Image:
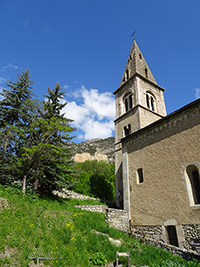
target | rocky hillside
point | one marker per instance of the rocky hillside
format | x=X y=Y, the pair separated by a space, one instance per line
x=100 y=149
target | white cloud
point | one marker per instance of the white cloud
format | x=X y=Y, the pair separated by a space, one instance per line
x=9 y=66
x=197 y=92
x=94 y=116
x=66 y=86
x=2 y=80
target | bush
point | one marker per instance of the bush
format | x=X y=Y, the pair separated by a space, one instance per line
x=95 y=179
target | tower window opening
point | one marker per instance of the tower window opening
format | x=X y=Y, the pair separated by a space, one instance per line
x=130 y=57
x=140 y=56
x=172 y=235
x=193 y=174
x=127 y=74
x=127 y=130
x=150 y=101
x=126 y=105
x=128 y=102
x=147 y=100
x=140 y=176
x=146 y=73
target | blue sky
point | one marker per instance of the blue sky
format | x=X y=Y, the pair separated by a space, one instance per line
x=84 y=45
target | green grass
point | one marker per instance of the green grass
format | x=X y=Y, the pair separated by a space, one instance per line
x=39 y=226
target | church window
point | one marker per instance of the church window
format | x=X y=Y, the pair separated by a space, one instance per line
x=140 y=178
x=127 y=74
x=150 y=101
x=146 y=73
x=194 y=180
x=127 y=130
x=172 y=235
x=147 y=100
x=140 y=56
x=130 y=57
x=128 y=102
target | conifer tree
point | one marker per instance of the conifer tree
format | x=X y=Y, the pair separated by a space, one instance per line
x=47 y=156
x=14 y=111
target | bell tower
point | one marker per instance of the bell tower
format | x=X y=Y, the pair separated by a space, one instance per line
x=139 y=102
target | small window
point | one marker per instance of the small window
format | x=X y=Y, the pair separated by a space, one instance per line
x=172 y=235
x=128 y=102
x=150 y=101
x=127 y=74
x=146 y=73
x=193 y=175
x=147 y=100
x=127 y=130
x=140 y=176
x=140 y=56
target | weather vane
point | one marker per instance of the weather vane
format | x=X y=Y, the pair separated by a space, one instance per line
x=133 y=35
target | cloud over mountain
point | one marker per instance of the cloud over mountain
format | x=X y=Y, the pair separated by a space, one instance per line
x=93 y=113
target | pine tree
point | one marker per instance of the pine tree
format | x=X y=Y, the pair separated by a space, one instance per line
x=14 y=111
x=47 y=156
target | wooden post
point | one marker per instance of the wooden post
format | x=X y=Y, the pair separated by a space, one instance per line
x=122 y=254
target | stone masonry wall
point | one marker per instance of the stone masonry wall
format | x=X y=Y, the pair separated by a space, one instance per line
x=191 y=231
x=93 y=208
x=154 y=232
x=186 y=254
x=70 y=194
x=118 y=219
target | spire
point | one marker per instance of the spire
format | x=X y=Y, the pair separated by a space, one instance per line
x=137 y=64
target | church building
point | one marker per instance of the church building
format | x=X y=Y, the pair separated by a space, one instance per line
x=157 y=158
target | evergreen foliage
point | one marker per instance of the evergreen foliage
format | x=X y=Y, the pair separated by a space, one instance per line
x=34 y=137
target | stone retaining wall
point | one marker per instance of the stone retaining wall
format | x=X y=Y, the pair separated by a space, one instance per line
x=70 y=194
x=117 y=219
x=93 y=208
x=153 y=232
x=191 y=231
x=186 y=254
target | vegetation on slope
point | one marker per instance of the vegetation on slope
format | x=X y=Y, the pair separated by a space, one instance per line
x=38 y=226
x=96 y=179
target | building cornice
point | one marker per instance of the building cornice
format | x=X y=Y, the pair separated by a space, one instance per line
x=169 y=122
x=141 y=77
x=134 y=108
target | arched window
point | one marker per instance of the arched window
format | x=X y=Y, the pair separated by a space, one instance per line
x=150 y=101
x=128 y=102
x=127 y=74
x=127 y=130
x=146 y=72
x=193 y=175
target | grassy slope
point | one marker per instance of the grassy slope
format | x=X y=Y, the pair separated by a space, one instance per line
x=37 y=226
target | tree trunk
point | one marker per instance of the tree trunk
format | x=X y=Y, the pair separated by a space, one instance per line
x=6 y=142
x=24 y=185
x=36 y=184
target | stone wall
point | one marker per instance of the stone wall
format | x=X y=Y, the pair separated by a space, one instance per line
x=148 y=231
x=93 y=208
x=191 y=231
x=186 y=254
x=70 y=194
x=117 y=219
